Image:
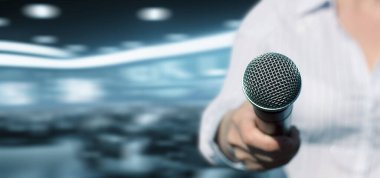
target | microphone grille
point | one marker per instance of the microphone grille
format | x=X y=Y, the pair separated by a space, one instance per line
x=272 y=82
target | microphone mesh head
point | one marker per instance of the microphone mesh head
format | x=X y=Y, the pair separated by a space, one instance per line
x=272 y=82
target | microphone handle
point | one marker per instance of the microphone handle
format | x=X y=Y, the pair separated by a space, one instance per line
x=274 y=123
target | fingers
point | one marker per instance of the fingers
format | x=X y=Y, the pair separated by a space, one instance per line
x=250 y=165
x=234 y=139
x=295 y=138
x=243 y=155
x=253 y=137
x=294 y=132
x=252 y=161
x=257 y=150
x=244 y=120
x=291 y=141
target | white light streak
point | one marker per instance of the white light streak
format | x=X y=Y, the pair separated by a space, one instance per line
x=197 y=45
x=25 y=48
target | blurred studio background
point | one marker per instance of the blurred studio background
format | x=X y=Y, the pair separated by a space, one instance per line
x=96 y=88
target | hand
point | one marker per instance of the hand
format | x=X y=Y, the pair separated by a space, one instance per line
x=241 y=141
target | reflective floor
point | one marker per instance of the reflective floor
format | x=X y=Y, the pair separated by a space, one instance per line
x=142 y=140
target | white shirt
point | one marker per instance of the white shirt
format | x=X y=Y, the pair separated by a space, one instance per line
x=338 y=110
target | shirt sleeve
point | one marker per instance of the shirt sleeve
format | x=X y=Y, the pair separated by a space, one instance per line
x=249 y=43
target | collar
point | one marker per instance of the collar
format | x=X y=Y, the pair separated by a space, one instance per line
x=309 y=6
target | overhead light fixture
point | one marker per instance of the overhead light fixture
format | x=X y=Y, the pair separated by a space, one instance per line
x=45 y=39
x=154 y=14
x=4 y=22
x=41 y=11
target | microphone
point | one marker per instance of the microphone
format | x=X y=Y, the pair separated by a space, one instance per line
x=272 y=83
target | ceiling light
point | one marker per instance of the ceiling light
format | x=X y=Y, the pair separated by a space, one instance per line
x=4 y=22
x=45 y=39
x=41 y=11
x=154 y=14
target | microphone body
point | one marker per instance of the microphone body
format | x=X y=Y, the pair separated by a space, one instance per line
x=274 y=123
x=272 y=83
